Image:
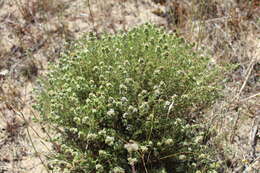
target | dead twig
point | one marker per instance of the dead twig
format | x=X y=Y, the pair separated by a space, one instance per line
x=250 y=97
x=253 y=136
x=248 y=72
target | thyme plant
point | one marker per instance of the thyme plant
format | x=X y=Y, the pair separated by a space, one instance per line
x=123 y=103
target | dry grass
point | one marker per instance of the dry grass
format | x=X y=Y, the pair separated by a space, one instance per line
x=34 y=32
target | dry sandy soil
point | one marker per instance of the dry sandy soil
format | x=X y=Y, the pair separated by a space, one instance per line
x=34 y=32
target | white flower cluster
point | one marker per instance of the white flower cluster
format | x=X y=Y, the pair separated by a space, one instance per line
x=111 y=112
x=131 y=147
x=109 y=140
x=118 y=170
x=91 y=136
x=132 y=161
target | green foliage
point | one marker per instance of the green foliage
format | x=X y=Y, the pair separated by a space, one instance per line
x=124 y=102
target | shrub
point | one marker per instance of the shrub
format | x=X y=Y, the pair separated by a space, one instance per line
x=123 y=103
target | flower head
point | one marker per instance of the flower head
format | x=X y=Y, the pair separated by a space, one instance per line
x=109 y=140
x=168 y=142
x=111 y=112
x=99 y=167
x=91 y=136
x=132 y=146
x=118 y=170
